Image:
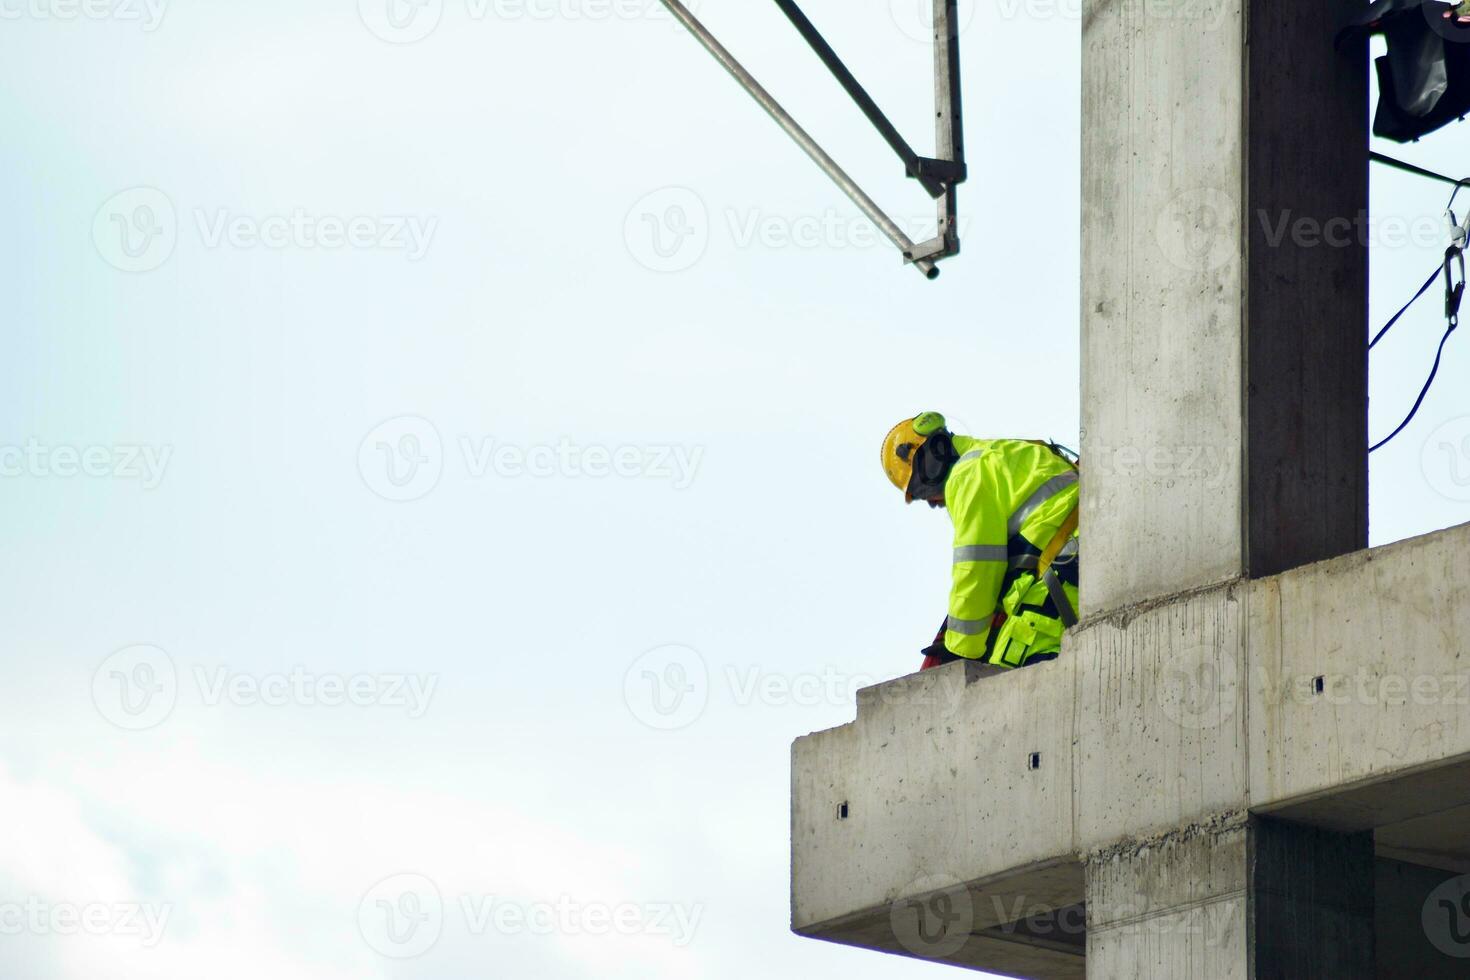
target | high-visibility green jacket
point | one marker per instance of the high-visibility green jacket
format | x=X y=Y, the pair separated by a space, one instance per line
x=1007 y=499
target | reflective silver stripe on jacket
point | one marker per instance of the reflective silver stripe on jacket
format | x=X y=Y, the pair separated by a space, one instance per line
x=1043 y=493
x=981 y=552
x=969 y=627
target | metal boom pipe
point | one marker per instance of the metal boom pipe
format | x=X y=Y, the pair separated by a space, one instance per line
x=858 y=94
x=799 y=135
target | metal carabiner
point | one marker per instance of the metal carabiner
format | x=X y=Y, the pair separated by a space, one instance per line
x=1458 y=231
x=1454 y=291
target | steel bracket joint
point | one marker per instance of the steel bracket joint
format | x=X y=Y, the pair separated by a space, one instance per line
x=938 y=175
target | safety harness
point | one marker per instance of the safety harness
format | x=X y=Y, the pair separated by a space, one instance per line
x=1044 y=570
x=1023 y=623
x=1029 y=624
x=1454 y=294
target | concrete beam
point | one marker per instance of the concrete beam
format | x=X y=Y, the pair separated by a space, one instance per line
x=1028 y=924
x=1363 y=678
x=1158 y=716
x=945 y=779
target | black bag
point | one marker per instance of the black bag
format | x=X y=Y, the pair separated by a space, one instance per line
x=1424 y=79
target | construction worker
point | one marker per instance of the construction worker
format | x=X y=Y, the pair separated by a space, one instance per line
x=1014 y=507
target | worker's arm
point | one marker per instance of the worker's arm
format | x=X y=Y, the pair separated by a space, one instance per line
x=980 y=558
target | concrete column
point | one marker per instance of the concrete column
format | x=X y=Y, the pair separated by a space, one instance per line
x=1235 y=898
x=1224 y=366
x=1310 y=902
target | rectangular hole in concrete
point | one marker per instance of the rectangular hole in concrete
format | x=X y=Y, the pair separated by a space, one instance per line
x=842 y=810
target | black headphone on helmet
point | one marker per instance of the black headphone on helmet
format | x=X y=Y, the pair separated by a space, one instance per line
x=932 y=463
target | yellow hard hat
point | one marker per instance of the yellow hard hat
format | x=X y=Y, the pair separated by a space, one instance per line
x=900 y=445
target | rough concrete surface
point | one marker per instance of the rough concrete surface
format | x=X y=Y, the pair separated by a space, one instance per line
x=1158 y=718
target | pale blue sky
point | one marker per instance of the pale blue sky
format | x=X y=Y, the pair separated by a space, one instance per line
x=620 y=471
